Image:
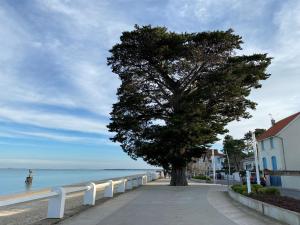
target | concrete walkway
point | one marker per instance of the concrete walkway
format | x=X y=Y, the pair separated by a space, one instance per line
x=160 y=204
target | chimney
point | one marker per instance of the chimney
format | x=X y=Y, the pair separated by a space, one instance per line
x=272 y=120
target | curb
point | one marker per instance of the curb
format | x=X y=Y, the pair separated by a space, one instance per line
x=275 y=212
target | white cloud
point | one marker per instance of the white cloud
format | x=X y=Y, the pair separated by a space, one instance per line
x=53 y=120
x=78 y=34
x=221 y=14
x=68 y=138
x=71 y=163
x=266 y=27
x=287 y=48
x=96 y=86
x=84 y=82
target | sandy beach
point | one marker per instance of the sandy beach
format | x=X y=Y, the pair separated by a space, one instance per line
x=33 y=212
x=36 y=212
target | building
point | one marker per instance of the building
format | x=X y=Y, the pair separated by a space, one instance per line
x=219 y=160
x=204 y=164
x=279 y=149
x=248 y=163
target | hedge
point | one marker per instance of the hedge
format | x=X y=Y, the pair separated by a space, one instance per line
x=256 y=189
x=201 y=177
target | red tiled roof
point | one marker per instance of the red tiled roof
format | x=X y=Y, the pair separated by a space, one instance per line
x=277 y=127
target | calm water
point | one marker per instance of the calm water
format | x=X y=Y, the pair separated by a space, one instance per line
x=13 y=180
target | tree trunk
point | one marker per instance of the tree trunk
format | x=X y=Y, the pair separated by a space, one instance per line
x=178 y=176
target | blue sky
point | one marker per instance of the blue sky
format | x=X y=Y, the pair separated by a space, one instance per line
x=56 y=90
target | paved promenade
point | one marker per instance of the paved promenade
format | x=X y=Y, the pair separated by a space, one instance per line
x=160 y=204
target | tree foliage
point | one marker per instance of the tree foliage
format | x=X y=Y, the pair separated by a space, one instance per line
x=178 y=92
x=234 y=148
x=238 y=149
x=248 y=140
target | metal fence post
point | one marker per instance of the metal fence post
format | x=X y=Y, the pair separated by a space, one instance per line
x=56 y=205
x=90 y=195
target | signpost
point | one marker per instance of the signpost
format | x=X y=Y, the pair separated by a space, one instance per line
x=248 y=182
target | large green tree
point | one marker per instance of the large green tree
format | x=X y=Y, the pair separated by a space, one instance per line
x=235 y=149
x=178 y=91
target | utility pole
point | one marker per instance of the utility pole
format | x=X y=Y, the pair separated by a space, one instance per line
x=255 y=158
x=214 y=166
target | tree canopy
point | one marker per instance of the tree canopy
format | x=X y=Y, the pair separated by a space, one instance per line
x=248 y=139
x=238 y=149
x=178 y=92
x=235 y=149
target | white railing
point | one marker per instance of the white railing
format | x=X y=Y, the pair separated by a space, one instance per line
x=57 y=196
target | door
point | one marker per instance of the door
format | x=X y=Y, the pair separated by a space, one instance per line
x=275 y=180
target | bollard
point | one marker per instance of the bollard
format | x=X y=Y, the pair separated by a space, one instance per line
x=129 y=184
x=109 y=190
x=154 y=176
x=140 y=181
x=149 y=177
x=135 y=182
x=248 y=181
x=89 y=197
x=56 y=205
x=144 y=180
x=122 y=186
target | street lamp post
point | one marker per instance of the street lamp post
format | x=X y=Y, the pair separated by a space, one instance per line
x=214 y=166
x=255 y=158
x=228 y=168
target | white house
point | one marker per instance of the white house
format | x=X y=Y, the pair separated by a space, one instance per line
x=219 y=160
x=204 y=164
x=279 y=149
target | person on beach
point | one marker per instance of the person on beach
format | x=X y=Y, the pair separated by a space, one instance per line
x=29 y=177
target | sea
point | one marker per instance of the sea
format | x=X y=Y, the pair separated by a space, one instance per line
x=12 y=181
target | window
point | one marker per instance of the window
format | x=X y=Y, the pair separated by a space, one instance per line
x=265 y=163
x=271 y=142
x=248 y=166
x=262 y=145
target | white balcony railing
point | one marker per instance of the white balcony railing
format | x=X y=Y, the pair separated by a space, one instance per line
x=57 y=196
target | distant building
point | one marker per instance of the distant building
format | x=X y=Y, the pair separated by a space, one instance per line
x=279 y=149
x=204 y=164
x=219 y=160
x=248 y=163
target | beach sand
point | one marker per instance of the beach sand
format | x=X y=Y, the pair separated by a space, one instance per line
x=34 y=213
